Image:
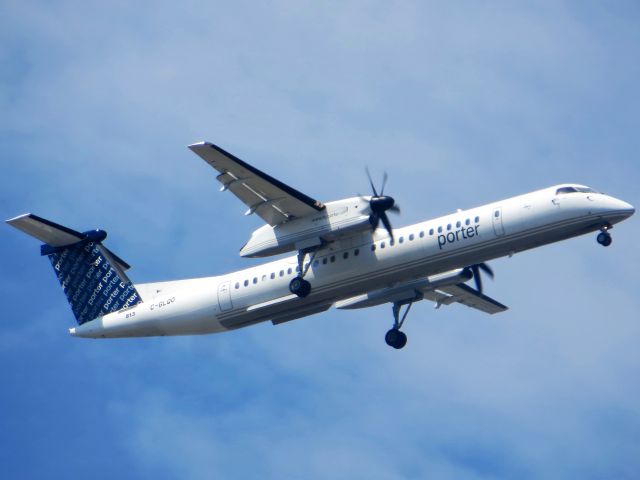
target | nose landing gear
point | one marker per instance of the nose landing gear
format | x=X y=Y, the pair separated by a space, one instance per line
x=604 y=237
x=394 y=337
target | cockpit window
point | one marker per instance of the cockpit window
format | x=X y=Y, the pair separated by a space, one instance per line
x=563 y=190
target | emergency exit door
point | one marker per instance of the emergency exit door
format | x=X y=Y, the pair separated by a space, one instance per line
x=224 y=296
x=496 y=217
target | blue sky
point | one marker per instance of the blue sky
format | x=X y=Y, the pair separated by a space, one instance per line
x=462 y=103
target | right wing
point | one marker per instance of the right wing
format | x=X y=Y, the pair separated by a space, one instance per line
x=468 y=296
x=441 y=294
x=271 y=199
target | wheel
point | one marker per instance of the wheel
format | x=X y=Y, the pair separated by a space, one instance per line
x=604 y=239
x=395 y=338
x=300 y=287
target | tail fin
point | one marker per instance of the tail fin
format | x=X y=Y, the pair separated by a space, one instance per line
x=91 y=276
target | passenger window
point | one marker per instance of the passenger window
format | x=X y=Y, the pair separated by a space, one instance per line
x=467 y=221
x=381 y=244
x=448 y=226
x=477 y=219
x=411 y=237
x=273 y=275
x=400 y=240
x=356 y=252
x=458 y=224
x=496 y=213
x=431 y=231
x=255 y=280
x=421 y=234
x=281 y=273
x=325 y=260
x=246 y=283
x=289 y=271
x=440 y=229
x=333 y=258
x=392 y=242
x=264 y=277
x=373 y=247
x=345 y=255
x=237 y=285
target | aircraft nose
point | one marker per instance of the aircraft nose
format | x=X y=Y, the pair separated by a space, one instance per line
x=627 y=208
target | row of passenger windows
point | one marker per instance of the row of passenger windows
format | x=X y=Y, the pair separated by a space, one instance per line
x=356 y=252
x=290 y=270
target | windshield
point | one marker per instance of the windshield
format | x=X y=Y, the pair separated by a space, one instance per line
x=563 y=190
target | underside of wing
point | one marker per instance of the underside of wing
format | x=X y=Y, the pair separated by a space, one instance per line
x=443 y=289
x=470 y=297
x=265 y=196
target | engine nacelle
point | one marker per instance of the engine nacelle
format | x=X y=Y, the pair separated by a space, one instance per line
x=338 y=219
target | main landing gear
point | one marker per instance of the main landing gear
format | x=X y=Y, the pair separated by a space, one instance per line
x=394 y=337
x=298 y=285
x=604 y=237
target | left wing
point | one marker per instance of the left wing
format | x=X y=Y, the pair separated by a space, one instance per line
x=271 y=199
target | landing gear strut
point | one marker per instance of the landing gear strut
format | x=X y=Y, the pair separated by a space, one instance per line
x=604 y=237
x=298 y=285
x=394 y=337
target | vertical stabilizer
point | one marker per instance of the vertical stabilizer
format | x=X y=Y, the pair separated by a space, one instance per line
x=93 y=278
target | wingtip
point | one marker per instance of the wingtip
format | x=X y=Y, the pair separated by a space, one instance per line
x=200 y=144
x=15 y=219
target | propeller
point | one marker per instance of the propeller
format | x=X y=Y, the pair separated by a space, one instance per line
x=379 y=203
x=475 y=269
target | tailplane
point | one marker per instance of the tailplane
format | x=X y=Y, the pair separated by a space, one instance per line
x=93 y=278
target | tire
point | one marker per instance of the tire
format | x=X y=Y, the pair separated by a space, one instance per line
x=395 y=338
x=300 y=287
x=604 y=239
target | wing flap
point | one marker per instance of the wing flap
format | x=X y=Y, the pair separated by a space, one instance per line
x=272 y=200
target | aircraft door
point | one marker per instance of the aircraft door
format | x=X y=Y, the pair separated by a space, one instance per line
x=224 y=296
x=496 y=218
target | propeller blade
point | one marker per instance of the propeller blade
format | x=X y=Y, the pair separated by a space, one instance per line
x=486 y=269
x=374 y=220
x=477 y=278
x=395 y=209
x=375 y=192
x=387 y=224
x=384 y=182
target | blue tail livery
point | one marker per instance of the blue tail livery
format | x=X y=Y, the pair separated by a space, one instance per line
x=91 y=276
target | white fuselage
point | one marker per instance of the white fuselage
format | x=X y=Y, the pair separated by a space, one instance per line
x=358 y=264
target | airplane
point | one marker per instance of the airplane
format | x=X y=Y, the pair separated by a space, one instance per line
x=347 y=256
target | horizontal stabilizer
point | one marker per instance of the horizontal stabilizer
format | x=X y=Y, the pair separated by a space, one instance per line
x=56 y=235
x=46 y=231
